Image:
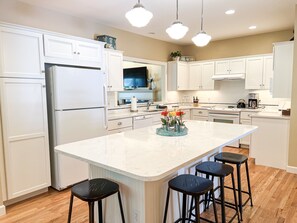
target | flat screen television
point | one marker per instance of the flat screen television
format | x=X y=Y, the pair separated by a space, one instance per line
x=135 y=77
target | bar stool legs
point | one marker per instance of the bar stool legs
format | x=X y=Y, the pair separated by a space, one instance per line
x=192 y=186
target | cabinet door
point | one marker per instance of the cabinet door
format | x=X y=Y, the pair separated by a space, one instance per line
x=59 y=47
x=182 y=76
x=254 y=73
x=25 y=135
x=195 y=72
x=207 y=73
x=222 y=67
x=283 y=69
x=114 y=69
x=245 y=140
x=21 y=54
x=89 y=53
x=237 y=66
x=267 y=72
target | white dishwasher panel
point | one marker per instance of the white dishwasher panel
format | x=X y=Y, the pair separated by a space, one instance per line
x=142 y=121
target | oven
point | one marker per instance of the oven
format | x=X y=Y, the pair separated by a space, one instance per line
x=225 y=116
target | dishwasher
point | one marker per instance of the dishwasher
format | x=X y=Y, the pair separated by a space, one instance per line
x=142 y=121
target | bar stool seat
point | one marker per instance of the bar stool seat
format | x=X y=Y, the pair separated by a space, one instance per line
x=221 y=171
x=194 y=186
x=92 y=191
x=238 y=159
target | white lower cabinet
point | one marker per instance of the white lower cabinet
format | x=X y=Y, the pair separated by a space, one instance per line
x=119 y=125
x=25 y=135
x=270 y=142
x=246 y=119
x=199 y=114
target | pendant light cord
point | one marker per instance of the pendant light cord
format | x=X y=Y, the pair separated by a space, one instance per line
x=202 y=17
x=176 y=10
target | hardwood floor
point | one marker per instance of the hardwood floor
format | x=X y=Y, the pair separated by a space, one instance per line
x=274 y=196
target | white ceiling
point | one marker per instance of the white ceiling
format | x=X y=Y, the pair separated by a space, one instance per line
x=267 y=15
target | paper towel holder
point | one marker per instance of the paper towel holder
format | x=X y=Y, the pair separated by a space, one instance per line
x=133 y=104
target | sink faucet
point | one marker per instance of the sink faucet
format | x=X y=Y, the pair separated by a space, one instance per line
x=148 y=105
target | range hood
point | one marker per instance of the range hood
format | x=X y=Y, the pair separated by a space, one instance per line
x=219 y=77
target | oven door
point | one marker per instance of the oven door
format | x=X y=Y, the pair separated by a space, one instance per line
x=225 y=118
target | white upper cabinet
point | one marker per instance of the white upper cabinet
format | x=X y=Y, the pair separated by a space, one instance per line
x=64 y=50
x=195 y=76
x=254 y=73
x=178 y=76
x=267 y=72
x=21 y=53
x=283 y=69
x=190 y=76
x=233 y=66
x=208 y=69
x=114 y=69
x=259 y=72
x=25 y=135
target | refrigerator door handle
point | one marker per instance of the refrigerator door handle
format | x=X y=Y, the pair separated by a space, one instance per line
x=105 y=106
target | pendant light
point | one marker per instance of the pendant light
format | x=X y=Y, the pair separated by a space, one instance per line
x=201 y=39
x=177 y=30
x=139 y=16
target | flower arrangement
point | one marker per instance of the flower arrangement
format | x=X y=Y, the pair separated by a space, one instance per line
x=173 y=120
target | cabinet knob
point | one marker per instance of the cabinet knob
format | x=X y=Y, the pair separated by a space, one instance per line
x=78 y=53
x=119 y=123
x=74 y=52
x=200 y=112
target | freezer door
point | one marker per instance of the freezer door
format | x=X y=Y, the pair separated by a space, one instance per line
x=77 y=88
x=75 y=125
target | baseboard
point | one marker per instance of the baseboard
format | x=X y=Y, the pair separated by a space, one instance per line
x=292 y=169
x=2 y=210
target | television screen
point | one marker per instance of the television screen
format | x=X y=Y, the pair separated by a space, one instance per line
x=135 y=77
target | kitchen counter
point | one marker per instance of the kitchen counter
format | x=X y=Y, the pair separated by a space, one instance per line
x=271 y=115
x=143 y=162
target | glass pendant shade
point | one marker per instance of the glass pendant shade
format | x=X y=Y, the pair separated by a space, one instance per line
x=177 y=30
x=201 y=39
x=139 y=16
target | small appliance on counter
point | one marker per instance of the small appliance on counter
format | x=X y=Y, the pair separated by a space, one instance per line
x=253 y=100
x=241 y=103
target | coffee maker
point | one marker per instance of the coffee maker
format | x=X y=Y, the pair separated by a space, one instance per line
x=253 y=100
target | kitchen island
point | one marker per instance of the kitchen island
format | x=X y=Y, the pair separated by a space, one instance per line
x=142 y=162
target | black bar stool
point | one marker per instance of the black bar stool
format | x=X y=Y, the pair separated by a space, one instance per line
x=194 y=186
x=238 y=159
x=220 y=170
x=92 y=191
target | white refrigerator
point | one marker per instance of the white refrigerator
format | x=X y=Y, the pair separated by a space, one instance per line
x=77 y=104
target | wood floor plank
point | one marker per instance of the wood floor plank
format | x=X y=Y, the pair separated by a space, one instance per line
x=274 y=196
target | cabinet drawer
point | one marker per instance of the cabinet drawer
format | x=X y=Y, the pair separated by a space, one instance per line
x=119 y=130
x=119 y=123
x=200 y=112
x=199 y=118
x=247 y=115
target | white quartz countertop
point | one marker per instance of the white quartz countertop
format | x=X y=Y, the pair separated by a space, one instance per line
x=146 y=156
x=271 y=115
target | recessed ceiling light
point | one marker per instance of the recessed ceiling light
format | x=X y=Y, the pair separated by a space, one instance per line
x=230 y=12
x=252 y=27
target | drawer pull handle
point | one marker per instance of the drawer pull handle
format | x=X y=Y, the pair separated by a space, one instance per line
x=119 y=123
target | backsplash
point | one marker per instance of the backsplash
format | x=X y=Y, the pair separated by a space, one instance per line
x=225 y=92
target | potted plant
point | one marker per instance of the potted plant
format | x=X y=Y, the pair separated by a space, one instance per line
x=175 y=55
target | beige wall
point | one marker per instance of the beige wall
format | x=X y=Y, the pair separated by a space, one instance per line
x=293 y=124
x=241 y=46
x=13 y=11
